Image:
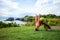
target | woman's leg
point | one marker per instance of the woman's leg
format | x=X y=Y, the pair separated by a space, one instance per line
x=36 y=28
x=38 y=24
x=46 y=26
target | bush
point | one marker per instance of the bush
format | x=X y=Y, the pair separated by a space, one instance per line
x=53 y=22
x=13 y=24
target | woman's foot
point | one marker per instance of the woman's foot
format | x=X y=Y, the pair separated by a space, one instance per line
x=36 y=30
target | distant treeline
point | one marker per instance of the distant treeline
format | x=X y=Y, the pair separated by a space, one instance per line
x=51 y=16
x=30 y=18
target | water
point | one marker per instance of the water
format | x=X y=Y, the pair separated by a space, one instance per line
x=18 y=22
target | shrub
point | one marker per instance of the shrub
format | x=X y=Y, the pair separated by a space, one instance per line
x=13 y=24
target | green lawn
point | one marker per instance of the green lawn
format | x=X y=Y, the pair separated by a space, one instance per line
x=28 y=33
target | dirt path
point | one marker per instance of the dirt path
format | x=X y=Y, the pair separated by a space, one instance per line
x=56 y=27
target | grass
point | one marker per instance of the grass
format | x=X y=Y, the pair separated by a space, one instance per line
x=28 y=33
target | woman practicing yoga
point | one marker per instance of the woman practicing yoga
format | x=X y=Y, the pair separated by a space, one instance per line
x=39 y=21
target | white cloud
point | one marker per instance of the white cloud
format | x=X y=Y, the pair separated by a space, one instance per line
x=4 y=12
x=9 y=8
x=9 y=3
x=40 y=7
x=40 y=2
x=56 y=1
x=48 y=6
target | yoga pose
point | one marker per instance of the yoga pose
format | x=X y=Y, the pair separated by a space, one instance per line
x=39 y=21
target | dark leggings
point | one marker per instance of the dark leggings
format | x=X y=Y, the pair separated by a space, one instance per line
x=46 y=26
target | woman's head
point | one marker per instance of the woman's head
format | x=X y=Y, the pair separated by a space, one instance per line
x=41 y=18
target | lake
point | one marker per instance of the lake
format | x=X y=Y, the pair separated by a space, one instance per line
x=18 y=22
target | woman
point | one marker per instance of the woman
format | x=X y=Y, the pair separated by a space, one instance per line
x=39 y=21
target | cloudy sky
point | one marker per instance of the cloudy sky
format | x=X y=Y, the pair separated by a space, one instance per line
x=19 y=8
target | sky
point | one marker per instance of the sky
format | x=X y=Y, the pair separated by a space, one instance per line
x=20 y=8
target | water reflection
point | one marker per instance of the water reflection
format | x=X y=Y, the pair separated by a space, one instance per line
x=18 y=22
